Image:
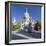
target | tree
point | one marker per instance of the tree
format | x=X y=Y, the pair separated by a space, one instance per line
x=15 y=27
x=37 y=26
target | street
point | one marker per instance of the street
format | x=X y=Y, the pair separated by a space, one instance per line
x=25 y=35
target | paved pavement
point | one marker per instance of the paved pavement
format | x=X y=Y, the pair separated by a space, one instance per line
x=25 y=35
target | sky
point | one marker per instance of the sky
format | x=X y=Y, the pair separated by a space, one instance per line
x=18 y=11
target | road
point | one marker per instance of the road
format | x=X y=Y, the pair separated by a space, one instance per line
x=25 y=35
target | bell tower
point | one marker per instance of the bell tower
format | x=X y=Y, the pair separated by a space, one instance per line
x=26 y=13
x=14 y=21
